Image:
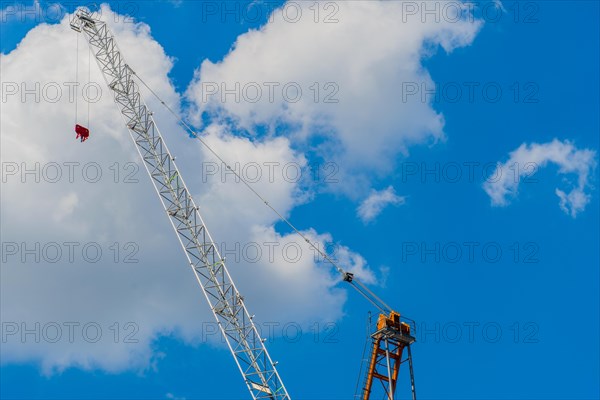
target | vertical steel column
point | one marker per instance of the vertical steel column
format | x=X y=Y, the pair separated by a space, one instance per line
x=389 y=369
x=412 y=375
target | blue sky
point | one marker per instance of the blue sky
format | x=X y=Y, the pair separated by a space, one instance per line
x=541 y=293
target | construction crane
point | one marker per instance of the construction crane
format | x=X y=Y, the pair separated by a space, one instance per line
x=259 y=372
x=392 y=335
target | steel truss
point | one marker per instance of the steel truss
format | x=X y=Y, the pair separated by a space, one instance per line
x=236 y=325
x=388 y=343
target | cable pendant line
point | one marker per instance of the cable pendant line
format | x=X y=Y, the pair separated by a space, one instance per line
x=359 y=286
x=76 y=76
x=89 y=84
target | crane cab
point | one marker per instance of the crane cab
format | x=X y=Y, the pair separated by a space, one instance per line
x=393 y=324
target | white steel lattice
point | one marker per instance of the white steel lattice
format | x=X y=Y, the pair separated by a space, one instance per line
x=243 y=339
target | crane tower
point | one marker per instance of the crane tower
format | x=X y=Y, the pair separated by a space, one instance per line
x=392 y=334
x=236 y=325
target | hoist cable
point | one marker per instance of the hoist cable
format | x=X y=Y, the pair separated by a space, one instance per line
x=359 y=286
x=88 y=85
x=76 y=76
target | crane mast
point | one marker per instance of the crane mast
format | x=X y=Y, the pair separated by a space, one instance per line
x=392 y=335
x=236 y=325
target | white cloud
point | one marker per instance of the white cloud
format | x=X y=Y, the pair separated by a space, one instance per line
x=373 y=55
x=373 y=205
x=499 y=6
x=158 y=294
x=288 y=268
x=526 y=160
x=46 y=209
x=171 y=396
x=66 y=206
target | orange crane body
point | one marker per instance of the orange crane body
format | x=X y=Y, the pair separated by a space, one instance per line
x=389 y=340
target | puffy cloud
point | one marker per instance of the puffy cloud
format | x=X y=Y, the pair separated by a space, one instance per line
x=101 y=201
x=66 y=206
x=366 y=67
x=70 y=203
x=499 y=6
x=171 y=396
x=373 y=205
x=503 y=185
x=67 y=201
x=281 y=266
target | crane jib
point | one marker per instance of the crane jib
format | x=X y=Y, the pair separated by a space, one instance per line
x=393 y=334
x=227 y=305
